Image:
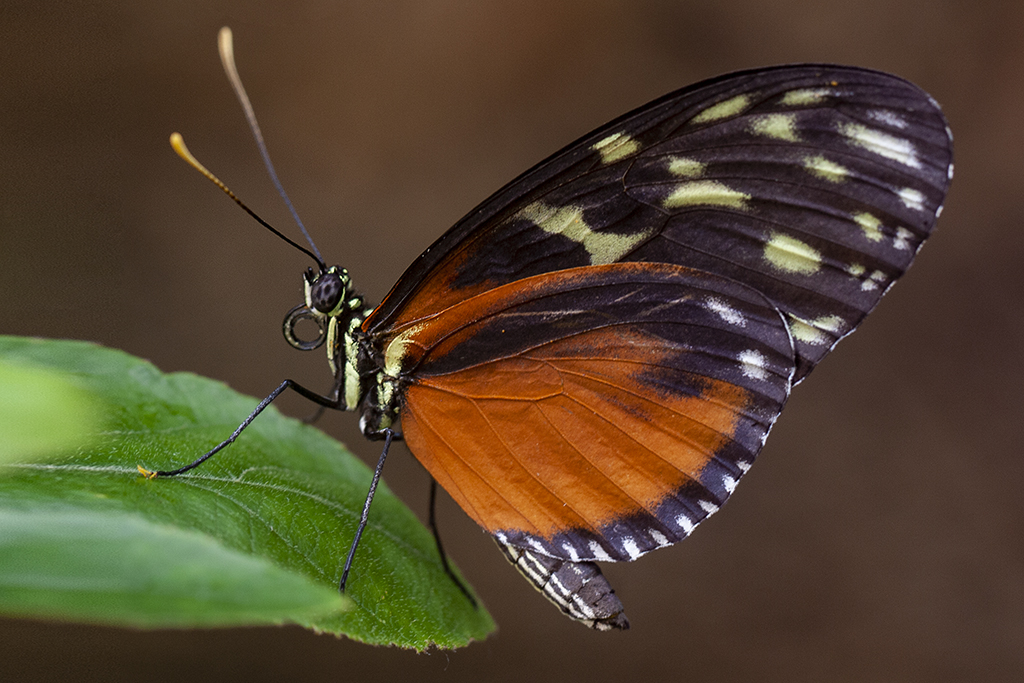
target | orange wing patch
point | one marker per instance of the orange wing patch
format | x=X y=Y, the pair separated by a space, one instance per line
x=597 y=412
x=543 y=443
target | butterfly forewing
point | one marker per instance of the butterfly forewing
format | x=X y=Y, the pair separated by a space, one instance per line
x=815 y=185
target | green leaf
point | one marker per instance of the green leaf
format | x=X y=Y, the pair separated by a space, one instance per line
x=256 y=535
x=30 y=397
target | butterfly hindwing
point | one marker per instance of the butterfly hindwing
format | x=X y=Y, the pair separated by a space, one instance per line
x=597 y=412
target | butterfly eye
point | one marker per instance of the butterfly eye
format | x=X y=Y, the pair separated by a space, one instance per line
x=327 y=292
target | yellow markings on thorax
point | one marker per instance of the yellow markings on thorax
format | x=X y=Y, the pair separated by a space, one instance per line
x=723 y=110
x=567 y=221
x=685 y=167
x=891 y=147
x=870 y=224
x=706 y=192
x=790 y=255
x=778 y=126
x=805 y=96
x=813 y=332
x=615 y=147
x=395 y=352
x=826 y=169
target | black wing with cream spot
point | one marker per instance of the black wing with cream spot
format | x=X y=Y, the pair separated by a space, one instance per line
x=815 y=185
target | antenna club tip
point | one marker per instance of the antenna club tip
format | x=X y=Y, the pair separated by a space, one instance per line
x=178 y=143
x=224 y=42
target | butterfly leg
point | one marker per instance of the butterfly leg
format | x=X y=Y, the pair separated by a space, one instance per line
x=579 y=589
x=325 y=401
x=334 y=396
x=440 y=548
x=388 y=437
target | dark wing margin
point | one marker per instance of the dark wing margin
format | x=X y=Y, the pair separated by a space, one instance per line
x=595 y=413
x=813 y=184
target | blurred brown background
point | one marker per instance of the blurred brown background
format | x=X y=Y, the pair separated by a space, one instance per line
x=878 y=538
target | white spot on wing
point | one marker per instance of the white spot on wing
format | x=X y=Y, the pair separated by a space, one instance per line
x=887 y=117
x=891 y=147
x=631 y=548
x=911 y=198
x=684 y=523
x=599 y=552
x=708 y=506
x=753 y=364
x=726 y=312
x=873 y=281
x=729 y=483
x=570 y=550
x=902 y=239
x=659 y=538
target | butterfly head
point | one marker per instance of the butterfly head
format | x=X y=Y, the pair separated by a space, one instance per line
x=328 y=298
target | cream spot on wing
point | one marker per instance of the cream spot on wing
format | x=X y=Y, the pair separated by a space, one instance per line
x=723 y=110
x=855 y=269
x=870 y=224
x=902 y=239
x=803 y=332
x=814 y=332
x=726 y=312
x=790 y=255
x=615 y=147
x=705 y=192
x=911 y=198
x=805 y=96
x=778 y=126
x=567 y=221
x=687 y=168
x=891 y=147
x=753 y=364
x=826 y=169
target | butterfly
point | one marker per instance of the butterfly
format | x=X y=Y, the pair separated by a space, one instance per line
x=591 y=360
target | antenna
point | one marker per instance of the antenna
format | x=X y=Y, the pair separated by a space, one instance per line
x=178 y=143
x=225 y=46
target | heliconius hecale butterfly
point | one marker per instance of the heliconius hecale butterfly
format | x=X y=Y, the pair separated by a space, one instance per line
x=591 y=359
